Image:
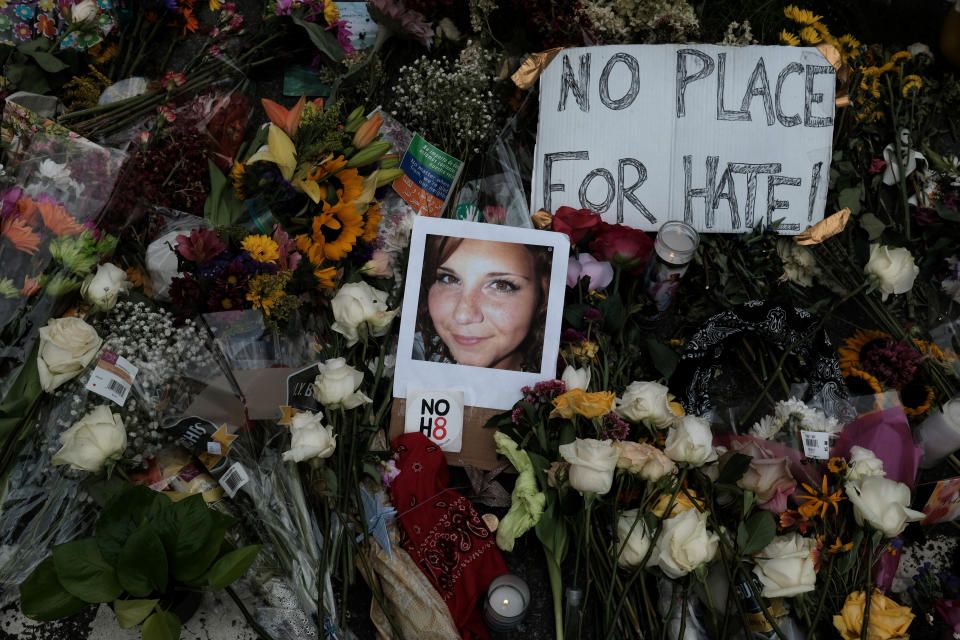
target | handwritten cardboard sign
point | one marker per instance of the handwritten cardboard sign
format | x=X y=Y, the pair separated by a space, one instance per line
x=724 y=138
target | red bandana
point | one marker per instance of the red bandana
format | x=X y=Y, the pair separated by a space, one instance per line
x=443 y=533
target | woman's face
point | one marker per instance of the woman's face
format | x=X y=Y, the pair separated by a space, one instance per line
x=483 y=301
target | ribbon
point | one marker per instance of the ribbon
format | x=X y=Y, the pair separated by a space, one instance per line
x=826 y=228
x=532 y=67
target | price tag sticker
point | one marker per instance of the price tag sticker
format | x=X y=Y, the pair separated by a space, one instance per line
x=112 y=378
x=816 y=444
x=234 y=478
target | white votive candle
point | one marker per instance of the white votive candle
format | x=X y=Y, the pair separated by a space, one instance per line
x=507 y=599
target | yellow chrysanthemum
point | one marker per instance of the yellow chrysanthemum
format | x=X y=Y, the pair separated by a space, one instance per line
x=810 y=35
x=789 y=39
x=261 y=248
x=215 y=5
x=236 y=177
x=801 y=16
x=331 y=12
x=910 y=83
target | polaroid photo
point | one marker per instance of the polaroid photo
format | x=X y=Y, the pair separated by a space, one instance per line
x=482 y=309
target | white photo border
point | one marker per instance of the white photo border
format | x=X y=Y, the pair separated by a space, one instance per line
x=481 y=386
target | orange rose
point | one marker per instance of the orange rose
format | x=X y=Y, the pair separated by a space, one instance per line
x=578 y=401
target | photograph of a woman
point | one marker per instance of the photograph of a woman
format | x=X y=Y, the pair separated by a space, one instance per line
x=483 y=303
x=482 y=310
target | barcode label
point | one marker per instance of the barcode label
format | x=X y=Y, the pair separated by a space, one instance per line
x=816 y=444
x=112 y=378
x=234 y=478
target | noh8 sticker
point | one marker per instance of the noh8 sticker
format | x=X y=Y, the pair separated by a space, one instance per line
x=437 y=414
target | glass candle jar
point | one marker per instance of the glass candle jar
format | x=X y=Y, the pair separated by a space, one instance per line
x=673 y=250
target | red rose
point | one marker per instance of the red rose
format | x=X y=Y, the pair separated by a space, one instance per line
x=624 y=246
x=576 y=223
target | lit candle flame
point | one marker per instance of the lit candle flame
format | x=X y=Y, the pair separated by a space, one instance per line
x=506 y=603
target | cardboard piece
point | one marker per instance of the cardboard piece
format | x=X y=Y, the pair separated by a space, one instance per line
x=265 y=390
x=724 y=138
x=477 y=450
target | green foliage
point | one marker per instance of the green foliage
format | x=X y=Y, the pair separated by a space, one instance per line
x=143 y=545
x=756 y=533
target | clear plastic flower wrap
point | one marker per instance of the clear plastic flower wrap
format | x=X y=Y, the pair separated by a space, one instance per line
x=46 y=503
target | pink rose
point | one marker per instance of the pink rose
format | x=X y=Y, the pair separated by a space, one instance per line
x=586 y=266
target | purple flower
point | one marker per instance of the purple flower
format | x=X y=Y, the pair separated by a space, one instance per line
x=399 y=18
x=9 y=201
x=600 y=274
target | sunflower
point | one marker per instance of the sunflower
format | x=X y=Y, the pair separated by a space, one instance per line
x=261 y=248
x=789 y=39
x=810 y=35
x=371 y=225
x=911 y=82
x=337 y=230
x=916 y=399
x=861 y=383
x=900 y=55
x=853 y=347
x=801 y=16
x=236 y=176
x=836 y=465
x=326 y=278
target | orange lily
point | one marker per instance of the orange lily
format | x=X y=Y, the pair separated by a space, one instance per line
x=286 y=119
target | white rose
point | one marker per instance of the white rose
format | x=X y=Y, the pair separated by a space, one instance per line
x=785 y=567
x=86 y=10
x=102 y=288
x=576 y=378
x=799 y=263
x=358 y=308
x=894 y=268
x=883 y=503
x=309 y=438
x=684 y=544
x=337 y=384
x=644 y=460
x=647 y=402
x=67 y=346
x=592 y=464
x=690 y=440
x=633 y=541
x=864 y=464
x=92 y=440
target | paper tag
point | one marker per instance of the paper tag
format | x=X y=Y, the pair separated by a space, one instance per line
x=816 y=444
x=234 y=478
x=214 y=448
x=437 y=414
x=429 y=176
x=944 y=502
x=112 y=377
x=300 y=389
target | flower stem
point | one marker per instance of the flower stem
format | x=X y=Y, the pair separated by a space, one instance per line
x=251 y=622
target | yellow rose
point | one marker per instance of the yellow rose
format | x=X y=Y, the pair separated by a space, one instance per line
x=888 y=620
x=578 y=401
x=681 y=504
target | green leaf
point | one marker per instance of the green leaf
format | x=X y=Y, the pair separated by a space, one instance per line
x=850 y=197
x=946 y=212
x=42 y=597
x=322 y=39
x=756 y=533
x=142 y=565
x=749 y=499
x=84 y=573
x=162 y=625
x=232 y=566
x=48 y=62
x=193 y=567
x=573 y=315
x=183 y=527
x=121 y=515
x=221 y=207
x=664 y=358
x=734 y=469
x=872 y=225
x=132 y=612
x=614 y=315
